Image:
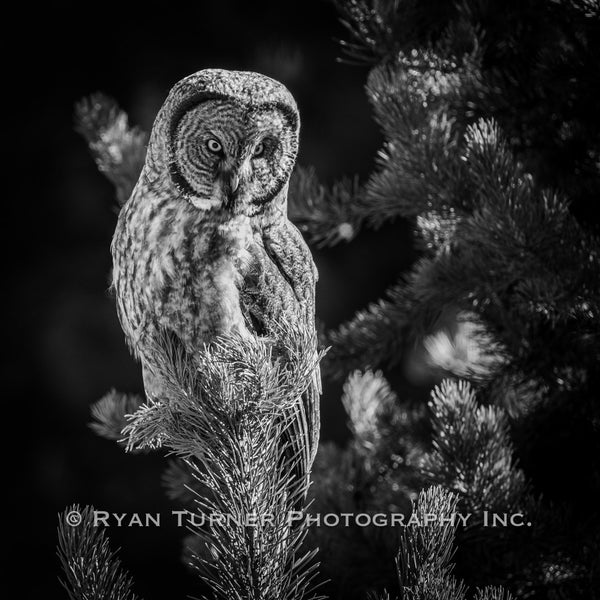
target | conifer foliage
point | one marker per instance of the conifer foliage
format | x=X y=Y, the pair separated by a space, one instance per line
x=492 y=152
x=466 y=159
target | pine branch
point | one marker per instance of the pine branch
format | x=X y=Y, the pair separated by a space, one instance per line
x=378 y=335
x=325 y=216
x=493 y=593
x=416 y=101
x=373 y=338
x=510 y=264
x=419 y=103
x=472 y=451
x=425 y=554
x=367 y=398
x=236 y=417
x=118 y=149
x=420 y=166
x=386 y=433
x=371 y=25
x=110 y=413
x=92 y=571
x=424 y=560
x=501 y=246
x=507 y=263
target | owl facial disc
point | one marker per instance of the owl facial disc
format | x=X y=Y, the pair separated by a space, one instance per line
x=230 y=140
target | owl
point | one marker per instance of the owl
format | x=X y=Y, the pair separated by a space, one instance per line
x=203 y=247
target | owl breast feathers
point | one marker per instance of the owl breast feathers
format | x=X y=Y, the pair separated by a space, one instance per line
x=203 y=246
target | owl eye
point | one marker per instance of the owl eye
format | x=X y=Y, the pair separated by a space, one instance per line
x=259 y=149
x=214 y=146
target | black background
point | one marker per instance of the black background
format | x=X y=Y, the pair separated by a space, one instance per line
x=64 y=348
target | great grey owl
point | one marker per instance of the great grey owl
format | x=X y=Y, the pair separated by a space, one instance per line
x=203 y=246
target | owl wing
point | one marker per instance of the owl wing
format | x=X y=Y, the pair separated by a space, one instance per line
x=287 y=251
x=286 y=247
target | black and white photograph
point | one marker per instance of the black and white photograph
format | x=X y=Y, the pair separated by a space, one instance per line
x=303 y=300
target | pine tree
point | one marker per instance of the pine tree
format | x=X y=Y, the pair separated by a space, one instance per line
x=492 y=152
x=476 y=112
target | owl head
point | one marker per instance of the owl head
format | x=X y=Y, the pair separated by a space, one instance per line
x=226 y=140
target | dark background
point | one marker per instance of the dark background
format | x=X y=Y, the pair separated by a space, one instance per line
x=64 y=347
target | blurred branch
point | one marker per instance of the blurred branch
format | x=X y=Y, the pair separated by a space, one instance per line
x=110 y=413
x=118 y=149
x=326 y=216
x=371 y=27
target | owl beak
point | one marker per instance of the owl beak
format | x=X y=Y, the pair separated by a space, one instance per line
x=232 y=183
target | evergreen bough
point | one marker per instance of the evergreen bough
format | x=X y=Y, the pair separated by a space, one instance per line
x=492 y=151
